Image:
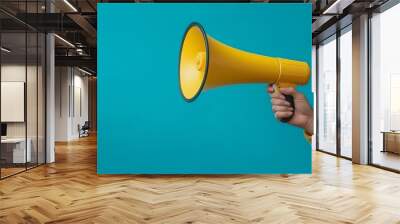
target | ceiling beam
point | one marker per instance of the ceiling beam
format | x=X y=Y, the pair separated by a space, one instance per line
x=81 y=61
x=86 y=26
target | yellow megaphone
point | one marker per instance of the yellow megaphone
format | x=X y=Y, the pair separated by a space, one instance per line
x=206 y=63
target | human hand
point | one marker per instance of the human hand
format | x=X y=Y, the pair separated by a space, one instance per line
x=303 y=113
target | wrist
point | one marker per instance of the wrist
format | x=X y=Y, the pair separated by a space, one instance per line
x=309 y=126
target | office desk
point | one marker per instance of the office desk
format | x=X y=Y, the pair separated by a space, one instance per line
x=391 y=141
x=13 y=150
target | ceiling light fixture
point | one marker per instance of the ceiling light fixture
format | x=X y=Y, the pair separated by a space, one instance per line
x=79 y=51
x=65 y=41
x=331 y=7
x=84 y=71
x=70 y=5
x=5 y=50
x=337 y=7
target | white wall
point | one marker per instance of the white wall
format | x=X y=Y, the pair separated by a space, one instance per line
x=16 y=73
x=62 y=82
x=80 y=103
x=9 y=73
x=71 y=102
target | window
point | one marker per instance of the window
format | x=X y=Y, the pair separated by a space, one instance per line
x=345 y=43
x=327 y=95
x=385 y=89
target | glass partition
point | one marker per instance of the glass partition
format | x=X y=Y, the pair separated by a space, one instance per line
x=14 y=151
x=22 y=89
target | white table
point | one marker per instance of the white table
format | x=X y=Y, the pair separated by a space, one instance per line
x=18 y=145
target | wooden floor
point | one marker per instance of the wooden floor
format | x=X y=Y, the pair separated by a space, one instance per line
x=387 y=159
x=5 y=172
x=70 y=191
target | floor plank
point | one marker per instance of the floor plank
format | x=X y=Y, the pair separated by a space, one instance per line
x=70 y=191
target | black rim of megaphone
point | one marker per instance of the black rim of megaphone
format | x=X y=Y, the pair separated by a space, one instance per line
x=207 y=57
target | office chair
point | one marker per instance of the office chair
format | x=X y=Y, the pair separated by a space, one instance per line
x=84 y=130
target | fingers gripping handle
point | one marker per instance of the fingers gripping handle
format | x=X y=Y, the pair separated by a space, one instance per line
x=290 y=99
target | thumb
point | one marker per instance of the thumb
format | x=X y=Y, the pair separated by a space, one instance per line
x=270 y=89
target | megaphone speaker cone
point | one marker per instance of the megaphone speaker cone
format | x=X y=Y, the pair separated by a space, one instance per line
x=193 y=63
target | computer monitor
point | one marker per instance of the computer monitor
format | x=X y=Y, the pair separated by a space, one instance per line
x=3 y=129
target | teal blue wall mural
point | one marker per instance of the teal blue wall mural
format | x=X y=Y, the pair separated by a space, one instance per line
x=145 y=126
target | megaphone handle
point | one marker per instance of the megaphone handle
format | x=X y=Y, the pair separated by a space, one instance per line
x=290 y=99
